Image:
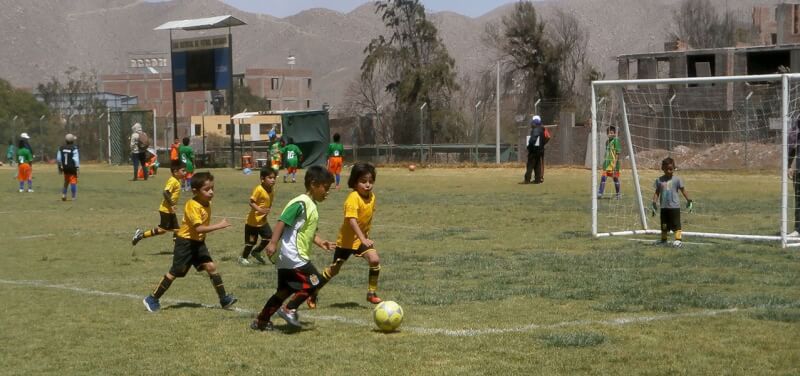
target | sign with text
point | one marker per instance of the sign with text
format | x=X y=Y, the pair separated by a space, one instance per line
x=200 y=64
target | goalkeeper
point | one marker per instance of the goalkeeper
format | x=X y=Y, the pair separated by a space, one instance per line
x=667 y=187
x=611 y=162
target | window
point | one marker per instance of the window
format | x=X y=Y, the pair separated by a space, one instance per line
x=309 y=82
x=219 y=126
x=795 y=19
x=198 y=130
x=275 y=83
x=228 y=129
x=263 y=129
x=308 y=103
x=244 y=128
x=269 y=104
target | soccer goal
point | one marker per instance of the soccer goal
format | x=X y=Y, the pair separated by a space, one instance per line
x=728 y=136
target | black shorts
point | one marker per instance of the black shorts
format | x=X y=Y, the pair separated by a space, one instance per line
x=188 y=253
x=670 y=219
x=169 y=221
x=344 y=253
x=305 y=278
x=251 y=233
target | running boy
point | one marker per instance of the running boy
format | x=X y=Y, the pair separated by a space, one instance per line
x=169 y=203
x=611 y=163
x=186 y=155
x=293 y=157
x=354 y=233
x=294 y=233
x=68 y=164
x=336 y=158
x=24 y=170
x=256 y=224
x=275 y=157
x=667 y=188
x=190 y=246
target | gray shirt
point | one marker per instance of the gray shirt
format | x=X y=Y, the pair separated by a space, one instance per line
x=669 y=189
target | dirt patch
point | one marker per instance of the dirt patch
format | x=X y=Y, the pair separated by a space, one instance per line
x=729 y=156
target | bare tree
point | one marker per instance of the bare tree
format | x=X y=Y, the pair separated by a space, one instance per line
x=700 y=25
x=570 y=40
x=367 y=95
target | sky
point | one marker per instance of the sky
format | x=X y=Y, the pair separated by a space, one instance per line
x=284 y=8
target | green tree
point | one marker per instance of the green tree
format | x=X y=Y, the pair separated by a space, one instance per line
x=21 y=112
x=244 y=99
x=416 y=65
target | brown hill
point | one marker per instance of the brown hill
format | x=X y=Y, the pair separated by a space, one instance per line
x=42 y=38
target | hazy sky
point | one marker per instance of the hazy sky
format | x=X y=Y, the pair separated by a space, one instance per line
x=283 y=8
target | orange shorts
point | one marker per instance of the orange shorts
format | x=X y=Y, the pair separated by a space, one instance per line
x=70 y=178
x=335 y=165
x=291 y=170
x=613 y=174
x=24 y=172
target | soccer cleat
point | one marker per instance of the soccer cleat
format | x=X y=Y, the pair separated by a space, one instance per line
x=311 y=302
x=290 y=315
x=30 y=190
x=21 y=190
x=63 y=197
x=243 y=261
x=137 y=235
x=661 y=242
x=373 y=298
x=259 y=257
x=677 y=244
x=227 y=301
x=261 y=325
x=151 y=303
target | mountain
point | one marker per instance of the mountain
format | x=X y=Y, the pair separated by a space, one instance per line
x=42 y=38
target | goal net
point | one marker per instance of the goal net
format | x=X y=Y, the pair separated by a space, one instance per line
x=729 y=138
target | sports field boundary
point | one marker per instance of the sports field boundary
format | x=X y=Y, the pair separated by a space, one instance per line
x=418 y=330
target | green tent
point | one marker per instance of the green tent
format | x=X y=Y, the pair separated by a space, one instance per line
x=311 y=132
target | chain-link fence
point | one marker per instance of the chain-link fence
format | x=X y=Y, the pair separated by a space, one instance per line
x=119 y=129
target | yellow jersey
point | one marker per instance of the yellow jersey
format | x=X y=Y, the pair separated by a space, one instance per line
x=194 y=214
x=174 y=188
x=263 y=200
x=361 y=209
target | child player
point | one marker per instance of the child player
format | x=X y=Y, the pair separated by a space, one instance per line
x=354 y=233
x=256 y=224
x=190 y=246
x=169 y=203
x=275 y=157
x=336 y=158
x=24 y=171
x=68 y=164
x=611 y=162
x=667 y=188
x=293 y=157
x=295 y=232
x=186 y=155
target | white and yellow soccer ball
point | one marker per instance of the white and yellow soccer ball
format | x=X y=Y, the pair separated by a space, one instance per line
x=388 y=316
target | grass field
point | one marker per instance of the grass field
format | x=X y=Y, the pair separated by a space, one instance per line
x=494 y=277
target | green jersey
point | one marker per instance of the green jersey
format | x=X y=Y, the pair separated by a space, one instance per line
x=335 y=150
x=24 y=156
x=186 y=155
x=613 y=149
x=293 y=155
x=301 y=218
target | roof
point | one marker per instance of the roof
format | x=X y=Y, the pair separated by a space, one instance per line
x=709 y=51
x=202 y=23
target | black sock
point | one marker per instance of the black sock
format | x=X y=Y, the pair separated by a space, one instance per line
x=162 y=287
x=248 y=248
x=216 y=280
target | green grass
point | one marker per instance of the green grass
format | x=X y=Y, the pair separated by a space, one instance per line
x=494 y=278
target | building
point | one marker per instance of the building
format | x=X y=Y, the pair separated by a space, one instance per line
x=255 y=128
x=283 y=89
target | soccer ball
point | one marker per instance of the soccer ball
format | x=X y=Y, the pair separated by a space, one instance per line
x=412 y=167
x=388 y=316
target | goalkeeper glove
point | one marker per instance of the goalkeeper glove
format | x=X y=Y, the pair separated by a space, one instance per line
x=690 y=206
x=653 y=208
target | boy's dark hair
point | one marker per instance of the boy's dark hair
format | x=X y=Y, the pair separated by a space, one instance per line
x=186 y=141
x=199 y=179
x=21 y=143
x=319 y=175
x=611 y=128
x=267 y=171
x=360 y=169
x=336 y=137
x=668 y=161
x=176 y=165
x=290 y=141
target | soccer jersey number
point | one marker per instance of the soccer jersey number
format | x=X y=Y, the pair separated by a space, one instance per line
x=184 y=159
x=21 y=159
x=335 y=153
x=290 y=154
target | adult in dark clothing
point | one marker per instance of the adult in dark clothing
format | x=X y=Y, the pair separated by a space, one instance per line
x=539 y=138
x=139 y=143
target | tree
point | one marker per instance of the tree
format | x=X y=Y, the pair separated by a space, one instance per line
x=699 y=25
x=532 y=64
x=19 y=110
x=366 y=96
x=245 y=99
x=414 y=62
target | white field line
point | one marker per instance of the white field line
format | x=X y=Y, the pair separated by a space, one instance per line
x=652 y=241
x=35 y=236
x=428 y=331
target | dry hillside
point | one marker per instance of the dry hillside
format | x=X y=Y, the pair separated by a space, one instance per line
x=42 y=38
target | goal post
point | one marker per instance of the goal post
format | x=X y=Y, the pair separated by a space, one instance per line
x=729 y=137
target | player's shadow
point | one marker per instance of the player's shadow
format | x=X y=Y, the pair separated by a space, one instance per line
x=182 y=305
x=161 y=253
x=288 y=329
x=348 y=305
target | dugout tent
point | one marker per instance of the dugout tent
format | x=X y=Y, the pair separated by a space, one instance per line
x=310 y=131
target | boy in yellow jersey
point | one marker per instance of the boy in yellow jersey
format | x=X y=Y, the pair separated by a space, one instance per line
x=169 y=202
x=290 y=248
x=256 y=224
x=190 y=246
x=354 y=233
